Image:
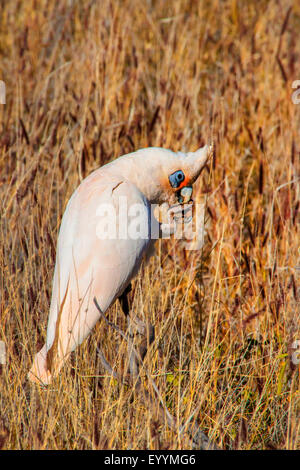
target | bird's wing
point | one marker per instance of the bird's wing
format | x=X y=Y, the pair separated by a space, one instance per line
x=89 y=265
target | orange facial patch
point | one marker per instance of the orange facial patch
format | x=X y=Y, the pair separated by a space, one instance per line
x=185 y=182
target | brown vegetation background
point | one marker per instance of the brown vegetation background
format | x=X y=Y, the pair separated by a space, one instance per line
x=89 y=81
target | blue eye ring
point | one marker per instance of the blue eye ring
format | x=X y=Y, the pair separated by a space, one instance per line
x=176 y=178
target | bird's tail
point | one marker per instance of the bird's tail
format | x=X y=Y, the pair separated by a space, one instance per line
x=39 y=372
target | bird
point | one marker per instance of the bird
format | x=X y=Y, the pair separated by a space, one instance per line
x=96 y=258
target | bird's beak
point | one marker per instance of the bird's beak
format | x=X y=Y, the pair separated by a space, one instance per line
x=184 y=195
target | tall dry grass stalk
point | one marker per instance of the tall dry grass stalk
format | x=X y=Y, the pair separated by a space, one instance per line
x=89 y=81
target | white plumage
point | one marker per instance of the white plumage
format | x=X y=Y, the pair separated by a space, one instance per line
x=87 y=264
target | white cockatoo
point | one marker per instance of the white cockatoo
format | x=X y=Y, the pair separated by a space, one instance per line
x=100 y=247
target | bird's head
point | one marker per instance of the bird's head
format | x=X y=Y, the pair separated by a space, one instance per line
x=162 y=175
x=168 y=176
x=181 y=172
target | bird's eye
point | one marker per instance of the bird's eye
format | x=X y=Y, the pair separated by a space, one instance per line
x=176 y=178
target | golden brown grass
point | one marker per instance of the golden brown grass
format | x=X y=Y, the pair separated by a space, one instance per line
x=89 y=81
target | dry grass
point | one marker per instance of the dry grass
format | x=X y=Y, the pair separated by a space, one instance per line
x=89 y=81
